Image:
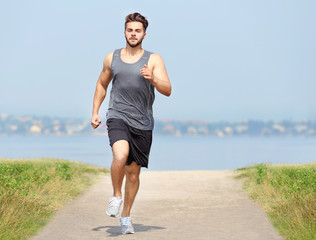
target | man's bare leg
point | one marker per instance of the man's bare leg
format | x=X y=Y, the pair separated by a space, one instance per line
x=131 y=187
x=120 y=151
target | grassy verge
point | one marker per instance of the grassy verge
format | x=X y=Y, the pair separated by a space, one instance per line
x=31 y=190
x=288 y=194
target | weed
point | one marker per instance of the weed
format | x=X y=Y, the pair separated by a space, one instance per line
x=261 y=173
x=32 y=190
x=64 y=170
x=287 y=193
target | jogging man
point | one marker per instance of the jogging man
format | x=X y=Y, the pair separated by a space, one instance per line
x=135 y=74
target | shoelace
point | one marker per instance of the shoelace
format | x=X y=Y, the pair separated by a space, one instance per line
x=114 y=202
x=126 y=221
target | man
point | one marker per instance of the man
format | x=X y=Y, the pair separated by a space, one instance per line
x=136 y=73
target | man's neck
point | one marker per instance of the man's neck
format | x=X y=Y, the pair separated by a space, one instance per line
x=131 y=51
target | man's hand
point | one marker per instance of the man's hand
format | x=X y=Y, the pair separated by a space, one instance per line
x=157 y=74
x=95 y=121
x=147 y=73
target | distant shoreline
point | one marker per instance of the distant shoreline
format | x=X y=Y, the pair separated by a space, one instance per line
x=167 y=135
x=48 y=126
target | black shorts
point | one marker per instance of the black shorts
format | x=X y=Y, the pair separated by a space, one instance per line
x=139 y=140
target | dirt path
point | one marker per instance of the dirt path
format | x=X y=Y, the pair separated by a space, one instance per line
x=169 y=205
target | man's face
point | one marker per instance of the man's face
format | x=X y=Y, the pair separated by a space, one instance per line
x=134 y=33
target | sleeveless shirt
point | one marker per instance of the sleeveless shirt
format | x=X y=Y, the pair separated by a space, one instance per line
x=132 y=96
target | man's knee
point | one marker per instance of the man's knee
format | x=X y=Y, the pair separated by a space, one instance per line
x=120 y=158
x=132 y=172
x=132 y=177
x=120 y=152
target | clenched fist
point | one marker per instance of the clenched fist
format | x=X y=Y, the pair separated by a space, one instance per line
x=147 y=73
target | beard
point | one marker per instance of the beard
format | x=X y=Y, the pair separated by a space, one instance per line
x=135 y=44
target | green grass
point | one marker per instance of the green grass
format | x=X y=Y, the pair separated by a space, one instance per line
x=31 y=190
x=288 y=194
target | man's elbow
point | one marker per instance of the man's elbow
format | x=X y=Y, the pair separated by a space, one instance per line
x=168 y=92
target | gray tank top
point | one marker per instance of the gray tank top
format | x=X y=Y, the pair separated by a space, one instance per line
x=132 y=96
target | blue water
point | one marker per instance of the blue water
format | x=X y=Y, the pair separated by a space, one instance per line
x=168 y=153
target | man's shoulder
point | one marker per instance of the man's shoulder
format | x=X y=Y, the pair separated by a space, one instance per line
x=109 y=55
x=154 y=57
x=108 y=60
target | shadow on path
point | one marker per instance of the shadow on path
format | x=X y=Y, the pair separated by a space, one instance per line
x=115 y=231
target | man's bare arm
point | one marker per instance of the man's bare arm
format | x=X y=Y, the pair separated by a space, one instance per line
x=101 y=88
x=156 y=73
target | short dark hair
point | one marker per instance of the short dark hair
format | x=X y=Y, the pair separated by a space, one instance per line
x=136 y=17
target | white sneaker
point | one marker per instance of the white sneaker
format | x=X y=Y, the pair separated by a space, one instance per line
x=127 y=226
x=114 y=206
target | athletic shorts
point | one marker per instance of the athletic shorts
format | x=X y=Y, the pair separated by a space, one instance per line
x=139 y=140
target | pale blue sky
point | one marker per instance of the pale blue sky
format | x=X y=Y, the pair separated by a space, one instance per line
x=227 y=60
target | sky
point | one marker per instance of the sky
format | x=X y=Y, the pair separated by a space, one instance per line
x=227 y=60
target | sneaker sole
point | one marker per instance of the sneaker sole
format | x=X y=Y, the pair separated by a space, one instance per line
x=128 y=233
x=112 y=215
